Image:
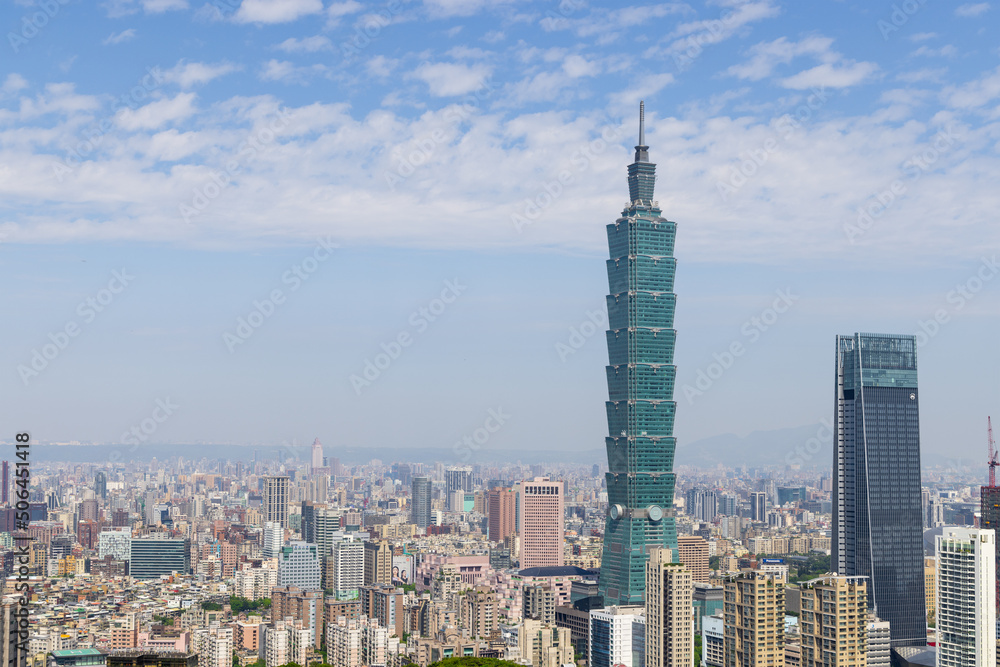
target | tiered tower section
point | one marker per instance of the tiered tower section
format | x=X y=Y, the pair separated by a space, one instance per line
x=641 y=375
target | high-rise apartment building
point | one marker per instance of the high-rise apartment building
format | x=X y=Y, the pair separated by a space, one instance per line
x=275 y=507
x=344 y=568
x=640 y=374
x=479 y=613
x=966 y=608
x=273 y=538
x=833 y=622
x=755 y=620
x=5 y=482
x=457 y=479
x=544 y=645
x=420 y=511
x=11 y=651
x=378 y=563
x=669 y=621
x=877 y=519
x=879 y=644
x=542 y=522
x=214 y=646
x=692 y=551
x=501 y=511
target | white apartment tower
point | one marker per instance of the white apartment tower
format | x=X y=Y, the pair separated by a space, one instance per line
x=966 y=604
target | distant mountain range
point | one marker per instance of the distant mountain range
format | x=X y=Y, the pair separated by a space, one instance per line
x=805 y=446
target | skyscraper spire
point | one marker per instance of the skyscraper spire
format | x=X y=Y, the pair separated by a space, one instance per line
x=642 y=150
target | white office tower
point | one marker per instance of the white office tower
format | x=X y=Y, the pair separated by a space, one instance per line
x=618 y=636
x=274 y=539
x=878 y=642
x=966 y=597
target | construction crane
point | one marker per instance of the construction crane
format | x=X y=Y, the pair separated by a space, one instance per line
x=993 y=454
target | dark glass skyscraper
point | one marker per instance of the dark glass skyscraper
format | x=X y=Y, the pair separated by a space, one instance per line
x=877 y=520
x=421 y=502
x=640 y=375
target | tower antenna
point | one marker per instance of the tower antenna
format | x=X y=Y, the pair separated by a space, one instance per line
x=993 y=463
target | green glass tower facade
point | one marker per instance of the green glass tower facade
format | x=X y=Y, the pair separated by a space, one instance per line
x=640 y=375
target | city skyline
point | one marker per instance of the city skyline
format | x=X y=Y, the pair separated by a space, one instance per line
x=849 y=105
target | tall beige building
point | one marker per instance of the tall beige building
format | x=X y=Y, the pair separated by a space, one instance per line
x=833 y=622
x=479 y=613
x=542 y=523
x=669 y=607
x=755 y=620
x=378 y=563
x=275 y=502
x=545 y=645
x=693 y=552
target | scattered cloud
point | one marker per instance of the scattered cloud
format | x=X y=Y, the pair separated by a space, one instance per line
x=157 y=114
x=831 y=76
x=972 y=10
x=187 y=75
x=14 y=83
x=306 y=44
x=764 y=57
x=119 y=37
x=276 y=11
x=449 y=79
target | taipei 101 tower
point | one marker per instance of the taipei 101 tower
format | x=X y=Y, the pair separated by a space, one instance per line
x=640 y=374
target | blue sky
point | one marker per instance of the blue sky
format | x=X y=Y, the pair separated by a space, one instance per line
x=844 y=156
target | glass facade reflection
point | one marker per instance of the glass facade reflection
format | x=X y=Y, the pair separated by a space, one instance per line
x=877 y=520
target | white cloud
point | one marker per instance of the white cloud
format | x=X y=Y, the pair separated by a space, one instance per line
x=764 y=57
x=157 y=114
x=337 y=10
x=14 y=83
x=306 y=44
x=971 y=10
x=946 y=51
x=186 y=75
x=449 y=79
x=120 y=8
x=287 y=72
x=831 y=76
x=450 y=8
x=974 y=94
x=577 y=66
x=276 y=11
x=119 y=37
x=160 y=6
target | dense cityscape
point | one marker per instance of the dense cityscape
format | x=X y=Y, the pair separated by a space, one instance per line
x=296 y=558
